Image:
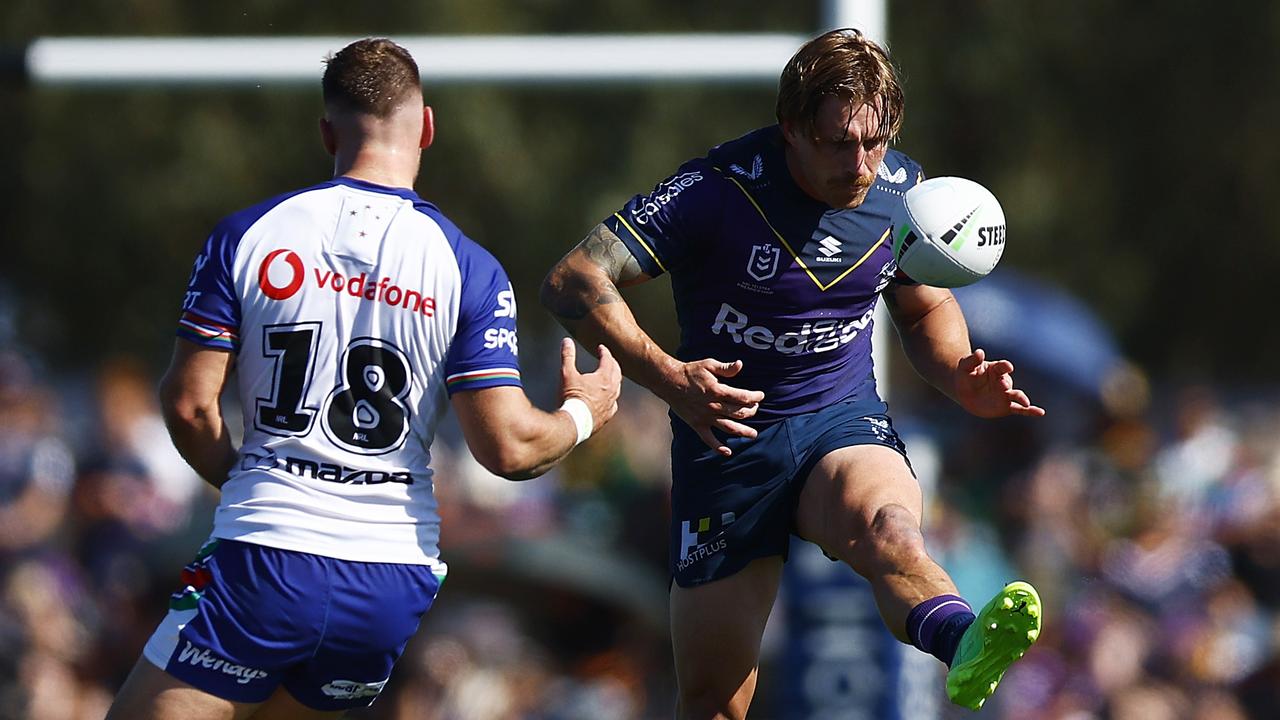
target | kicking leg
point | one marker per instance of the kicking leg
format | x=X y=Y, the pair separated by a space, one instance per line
x=715 y=636
x=862 y=505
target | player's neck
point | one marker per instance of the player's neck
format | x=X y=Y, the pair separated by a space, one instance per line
x=389 y=169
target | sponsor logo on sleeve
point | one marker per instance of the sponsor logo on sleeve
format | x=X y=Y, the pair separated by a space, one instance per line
x=664 y=194
x=201 y=261
x=506 y=303
x=495 y=338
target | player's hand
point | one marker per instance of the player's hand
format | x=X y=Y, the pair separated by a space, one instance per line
x=697 y=396
x=985 y=388
x=599 y=389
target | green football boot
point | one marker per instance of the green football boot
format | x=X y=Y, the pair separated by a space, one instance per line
x=1001 y=633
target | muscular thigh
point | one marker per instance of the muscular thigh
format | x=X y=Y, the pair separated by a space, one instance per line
x=845 y=490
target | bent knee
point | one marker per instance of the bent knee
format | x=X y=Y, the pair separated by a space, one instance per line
x=891 y=537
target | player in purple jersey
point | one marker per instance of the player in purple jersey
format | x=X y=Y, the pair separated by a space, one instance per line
x=354 y=314
x=776 y=244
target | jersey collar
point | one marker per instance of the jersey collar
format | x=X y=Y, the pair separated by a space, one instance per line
x=406 y=193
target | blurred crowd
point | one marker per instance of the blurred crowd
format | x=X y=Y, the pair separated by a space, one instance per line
x=1153 y=537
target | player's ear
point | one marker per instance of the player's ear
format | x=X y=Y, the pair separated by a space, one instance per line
x=328 y=137
x=428 y=127
x=788 y=130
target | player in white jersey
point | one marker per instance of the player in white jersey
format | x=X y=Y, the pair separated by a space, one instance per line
x=352 y=311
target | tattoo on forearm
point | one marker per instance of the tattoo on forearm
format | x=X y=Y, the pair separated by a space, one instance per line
x=609 y=252
x=571 y=296
x=564 y=302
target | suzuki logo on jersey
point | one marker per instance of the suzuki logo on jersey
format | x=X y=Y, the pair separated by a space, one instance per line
x=763 y=263
x=362 y=286
x=270 y=286
x=506 y=303
x=829 y=247
x=817 y=337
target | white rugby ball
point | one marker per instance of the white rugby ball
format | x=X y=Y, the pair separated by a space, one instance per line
x=948 y=232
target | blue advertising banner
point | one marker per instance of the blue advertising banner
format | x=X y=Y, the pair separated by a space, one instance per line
x=839 y=662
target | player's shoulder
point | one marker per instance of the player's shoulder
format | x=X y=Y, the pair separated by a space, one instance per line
x=236 y=224
x=469 y=254
x=698 y=182
x=751 y=157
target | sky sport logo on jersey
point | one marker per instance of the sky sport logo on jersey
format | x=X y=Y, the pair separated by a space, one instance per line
x=285 y=265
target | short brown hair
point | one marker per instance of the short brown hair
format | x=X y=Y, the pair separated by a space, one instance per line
x=370 y=76
x=846 y=64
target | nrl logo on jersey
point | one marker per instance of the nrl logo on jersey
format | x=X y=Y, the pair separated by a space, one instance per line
x=763 y=263
x=757 y=169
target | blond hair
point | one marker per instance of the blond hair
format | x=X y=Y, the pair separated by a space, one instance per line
x=841 y=63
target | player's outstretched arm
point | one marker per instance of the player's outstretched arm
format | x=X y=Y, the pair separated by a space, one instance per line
x=936 y=340
x=581 y=291
x=189 y=395
x=512 y=438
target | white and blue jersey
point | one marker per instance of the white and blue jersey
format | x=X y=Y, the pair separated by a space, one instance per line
x=354 y=310
x=765 y=273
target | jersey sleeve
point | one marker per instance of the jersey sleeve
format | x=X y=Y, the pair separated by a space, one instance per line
x=667 y=226
x=211 y=308
x=485 y=350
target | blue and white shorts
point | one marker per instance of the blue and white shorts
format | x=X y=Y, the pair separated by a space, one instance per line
x=249 y=619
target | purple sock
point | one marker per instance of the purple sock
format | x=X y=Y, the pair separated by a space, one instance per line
x=935 y=625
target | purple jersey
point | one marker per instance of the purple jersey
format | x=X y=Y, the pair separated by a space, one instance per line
x=764 y=273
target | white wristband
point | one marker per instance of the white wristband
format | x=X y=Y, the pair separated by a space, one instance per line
x=581 y=416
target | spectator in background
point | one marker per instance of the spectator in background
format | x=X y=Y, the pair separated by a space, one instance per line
x=36 y=467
